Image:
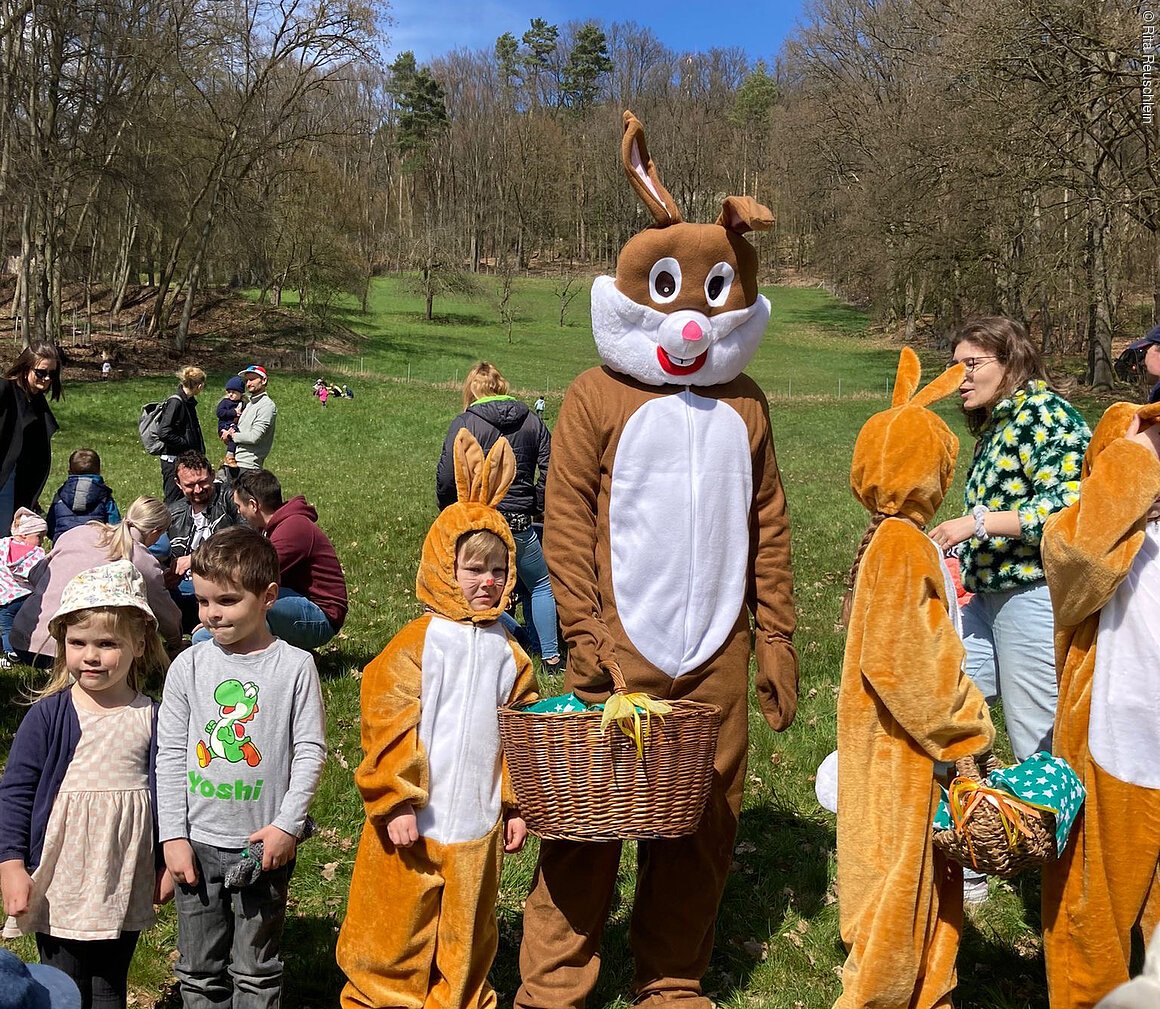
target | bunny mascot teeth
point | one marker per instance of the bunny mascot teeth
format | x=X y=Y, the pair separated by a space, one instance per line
x=1101 y=557
x=904 y=703
x=665 y=526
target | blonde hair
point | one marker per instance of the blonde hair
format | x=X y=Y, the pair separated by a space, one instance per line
x=481 y=545
x=129 y=624
x=146 y=515
x=191 y=377
x=484 y=379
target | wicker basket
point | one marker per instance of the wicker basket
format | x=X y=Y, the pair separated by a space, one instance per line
x=989 y=850
x=575 y=784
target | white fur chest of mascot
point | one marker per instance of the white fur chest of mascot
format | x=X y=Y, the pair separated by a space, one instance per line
x=665 y=530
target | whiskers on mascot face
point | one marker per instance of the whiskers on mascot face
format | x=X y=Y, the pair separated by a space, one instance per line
x=668 y=544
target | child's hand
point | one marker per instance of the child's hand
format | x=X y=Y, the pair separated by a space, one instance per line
x=163 y=887
x=181 y=861
x=278 y=847
x=402 y=827
x=16 y=885
x=515 y=833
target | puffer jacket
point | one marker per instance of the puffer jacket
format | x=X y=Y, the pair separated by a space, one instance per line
x=82 y=498
x=489 y=419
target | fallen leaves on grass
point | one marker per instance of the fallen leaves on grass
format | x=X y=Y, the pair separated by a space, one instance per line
x=327 y=871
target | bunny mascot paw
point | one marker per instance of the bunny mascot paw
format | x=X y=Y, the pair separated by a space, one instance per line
x=666 y=534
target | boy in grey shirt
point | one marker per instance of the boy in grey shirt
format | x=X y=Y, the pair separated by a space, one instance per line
x=241 y=740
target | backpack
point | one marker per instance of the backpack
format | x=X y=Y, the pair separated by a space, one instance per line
x=147 y=423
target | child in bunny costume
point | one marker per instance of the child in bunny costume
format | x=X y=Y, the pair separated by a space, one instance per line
x=1101 y=557
x=904 y=703
x=665 y=524
x=420 y=927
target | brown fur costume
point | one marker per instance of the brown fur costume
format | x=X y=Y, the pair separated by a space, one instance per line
x=665 y=523
x=904 y=703
x=420 y=928
x=1105 y=883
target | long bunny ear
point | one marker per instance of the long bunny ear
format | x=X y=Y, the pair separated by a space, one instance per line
x=906 y=378
x=499 y=470
x=642 y=173
x=468 y=466
x=944 y=385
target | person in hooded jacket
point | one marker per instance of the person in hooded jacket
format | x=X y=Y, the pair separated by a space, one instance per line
x=83 y=497
x=312 y=600
x=490 y=413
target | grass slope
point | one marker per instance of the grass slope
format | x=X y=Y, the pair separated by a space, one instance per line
x=368 y=467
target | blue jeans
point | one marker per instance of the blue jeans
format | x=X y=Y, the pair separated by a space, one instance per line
x=1009 y=637
x=7 y=616
x=533 y=572
x=294 y=619
x=229 y=941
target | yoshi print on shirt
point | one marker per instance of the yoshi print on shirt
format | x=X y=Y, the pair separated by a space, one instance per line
x=229 y=734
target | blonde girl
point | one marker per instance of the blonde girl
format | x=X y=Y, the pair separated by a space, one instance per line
x=77 y=860
x=88 y=546
x=179 y=430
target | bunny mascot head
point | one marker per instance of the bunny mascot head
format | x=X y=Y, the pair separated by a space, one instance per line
x=666 y=535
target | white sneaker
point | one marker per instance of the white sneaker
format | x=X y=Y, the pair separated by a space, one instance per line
x=975 y=890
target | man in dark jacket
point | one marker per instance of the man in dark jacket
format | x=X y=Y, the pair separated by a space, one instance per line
x=205 y=506
x=312 y=600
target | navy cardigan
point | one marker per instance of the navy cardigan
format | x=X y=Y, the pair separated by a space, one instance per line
x=41 y=753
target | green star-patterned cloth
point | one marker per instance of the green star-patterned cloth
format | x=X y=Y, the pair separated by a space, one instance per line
x=564 y=704
x=1040 y=779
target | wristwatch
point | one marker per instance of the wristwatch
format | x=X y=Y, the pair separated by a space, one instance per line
x=980 y=513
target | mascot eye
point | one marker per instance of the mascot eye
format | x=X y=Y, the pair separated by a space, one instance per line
x=664 y=280
x=718 y=284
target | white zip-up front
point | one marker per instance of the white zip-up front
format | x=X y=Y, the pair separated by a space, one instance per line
x=682 y=488
x=468 y=671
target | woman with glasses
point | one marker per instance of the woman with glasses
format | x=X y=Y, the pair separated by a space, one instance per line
x=1026 y=465
x=26 y=428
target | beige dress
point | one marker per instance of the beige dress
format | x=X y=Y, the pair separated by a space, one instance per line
x=96 y=874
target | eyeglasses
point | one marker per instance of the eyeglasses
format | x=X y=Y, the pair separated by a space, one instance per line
x=972 y=363
x=44 y=374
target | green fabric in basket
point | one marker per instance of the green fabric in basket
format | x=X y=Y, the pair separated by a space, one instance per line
x=1040 y=779
x=564 y=704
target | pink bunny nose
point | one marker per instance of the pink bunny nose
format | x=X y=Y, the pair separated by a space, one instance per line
x=692 y=332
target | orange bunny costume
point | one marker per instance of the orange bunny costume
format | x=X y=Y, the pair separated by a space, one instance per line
x=420 y=928
x=665 y=523
x=1102 y=561
x=904 y=703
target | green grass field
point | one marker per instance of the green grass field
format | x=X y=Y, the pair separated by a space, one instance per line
x=368 y=466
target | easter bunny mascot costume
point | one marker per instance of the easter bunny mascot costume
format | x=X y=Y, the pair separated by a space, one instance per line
x=665 y=527
x=904 y=703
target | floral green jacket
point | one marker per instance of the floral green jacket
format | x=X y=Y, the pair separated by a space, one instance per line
x=1027 y=459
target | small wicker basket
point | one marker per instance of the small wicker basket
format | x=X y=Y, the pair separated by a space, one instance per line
x=574 y=784
x=983 y=843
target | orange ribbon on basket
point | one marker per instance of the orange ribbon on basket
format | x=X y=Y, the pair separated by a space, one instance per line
x=966 y=794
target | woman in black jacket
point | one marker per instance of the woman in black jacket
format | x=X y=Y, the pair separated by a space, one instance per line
x=489 y=413
x=179 y=430
x=26 y=429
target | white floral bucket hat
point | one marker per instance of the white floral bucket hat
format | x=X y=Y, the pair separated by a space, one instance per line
x=116 y=584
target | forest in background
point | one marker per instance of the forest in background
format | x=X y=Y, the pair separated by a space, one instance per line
x=928 y=158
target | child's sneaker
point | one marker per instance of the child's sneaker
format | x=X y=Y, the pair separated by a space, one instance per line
x=974 y=888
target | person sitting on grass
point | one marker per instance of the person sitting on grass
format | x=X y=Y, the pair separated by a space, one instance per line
x=312 y=601
x=83 y=497
x=432 y=781
x=19 y=554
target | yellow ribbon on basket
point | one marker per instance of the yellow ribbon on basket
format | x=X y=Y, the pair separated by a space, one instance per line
x=966 y=794
x=625 y=709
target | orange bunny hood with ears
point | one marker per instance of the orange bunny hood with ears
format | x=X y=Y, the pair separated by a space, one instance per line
x=1114 y=424
x=482 y=484
x=904 y=457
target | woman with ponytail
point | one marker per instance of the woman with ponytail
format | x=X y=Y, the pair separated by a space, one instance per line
x=90 y=546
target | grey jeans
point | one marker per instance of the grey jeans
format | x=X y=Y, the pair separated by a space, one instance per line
x=229 y=941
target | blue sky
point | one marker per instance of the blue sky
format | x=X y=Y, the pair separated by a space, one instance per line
x=432 y=27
